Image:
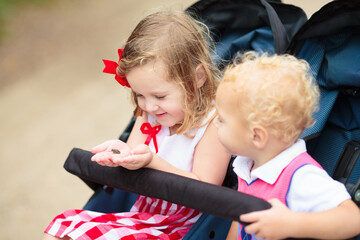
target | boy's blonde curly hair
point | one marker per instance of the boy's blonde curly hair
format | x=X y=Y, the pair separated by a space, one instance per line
x=277 y=92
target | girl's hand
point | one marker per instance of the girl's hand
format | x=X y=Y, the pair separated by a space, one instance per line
x=273 y=223
x=104 y=152
x=108 y=145
x=139 y=157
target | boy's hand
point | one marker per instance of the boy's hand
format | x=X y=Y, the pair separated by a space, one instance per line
x=273 y=223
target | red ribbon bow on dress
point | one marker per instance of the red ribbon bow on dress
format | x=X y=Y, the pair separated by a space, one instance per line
x=111 y=66
x=146 y=128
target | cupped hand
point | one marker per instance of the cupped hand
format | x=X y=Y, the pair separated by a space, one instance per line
x=109 y=145
x=139 y=157
x=105 y=152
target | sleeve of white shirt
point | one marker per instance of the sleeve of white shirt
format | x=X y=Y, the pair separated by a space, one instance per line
x=313 y=190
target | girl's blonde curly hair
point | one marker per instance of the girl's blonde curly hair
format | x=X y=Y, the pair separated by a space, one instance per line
x=182 y=44
x=277 y=92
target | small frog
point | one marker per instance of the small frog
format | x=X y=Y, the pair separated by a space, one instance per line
x=115 y=151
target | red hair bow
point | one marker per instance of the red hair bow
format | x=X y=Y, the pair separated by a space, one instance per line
x=111 y=66
x=146 y=128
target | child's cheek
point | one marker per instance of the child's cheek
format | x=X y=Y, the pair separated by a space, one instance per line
x=141 y=104
x=221 y=136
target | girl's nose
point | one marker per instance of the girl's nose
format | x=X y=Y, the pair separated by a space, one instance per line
x=151 y=106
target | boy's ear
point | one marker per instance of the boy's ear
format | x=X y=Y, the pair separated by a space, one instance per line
x=260 y=136
x=201 y=76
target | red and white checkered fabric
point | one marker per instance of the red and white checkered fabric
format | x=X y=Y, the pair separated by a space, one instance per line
x=149 y=218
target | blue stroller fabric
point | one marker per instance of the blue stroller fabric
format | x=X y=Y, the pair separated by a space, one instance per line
x=335 y=67
x=239 y=26
x=260 y=40
x=330 y=42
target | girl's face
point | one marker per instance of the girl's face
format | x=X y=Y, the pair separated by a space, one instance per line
x=156 y=94
x=233 y=131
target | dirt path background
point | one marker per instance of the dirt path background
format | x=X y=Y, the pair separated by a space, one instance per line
x=53 y=97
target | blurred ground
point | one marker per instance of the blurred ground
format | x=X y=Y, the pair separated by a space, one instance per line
x=53 y=97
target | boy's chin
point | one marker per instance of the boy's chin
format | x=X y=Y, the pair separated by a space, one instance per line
x=230 y=151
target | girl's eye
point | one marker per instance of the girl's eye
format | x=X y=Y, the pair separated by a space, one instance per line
x=160 y=97
x=138 y=95
x=219 y=119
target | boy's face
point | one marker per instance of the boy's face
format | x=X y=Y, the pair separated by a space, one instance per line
x=233 y=130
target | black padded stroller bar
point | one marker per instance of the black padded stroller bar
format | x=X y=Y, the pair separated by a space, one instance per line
x=216 y=200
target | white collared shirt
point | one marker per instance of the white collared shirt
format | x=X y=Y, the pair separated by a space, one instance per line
x=311 y=189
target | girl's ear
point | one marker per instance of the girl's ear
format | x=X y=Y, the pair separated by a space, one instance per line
x=200 y=75
x=260 y=136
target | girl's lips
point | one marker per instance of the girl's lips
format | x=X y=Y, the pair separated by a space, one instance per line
x=160 y=115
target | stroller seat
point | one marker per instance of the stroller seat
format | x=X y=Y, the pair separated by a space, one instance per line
x=329 y=41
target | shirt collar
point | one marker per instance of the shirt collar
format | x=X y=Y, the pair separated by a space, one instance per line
x=270 y=171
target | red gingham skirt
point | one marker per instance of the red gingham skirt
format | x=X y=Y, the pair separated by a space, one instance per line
x=149 y=218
